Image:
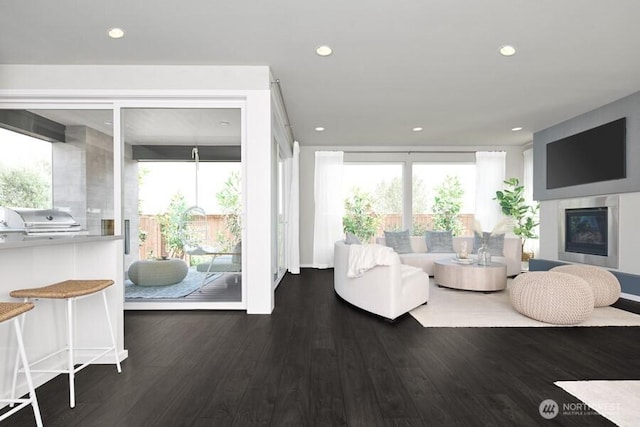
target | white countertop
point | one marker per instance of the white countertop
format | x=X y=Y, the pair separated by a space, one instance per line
x=12 y=241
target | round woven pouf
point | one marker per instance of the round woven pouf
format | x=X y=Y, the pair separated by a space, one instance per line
x=605 y=286
x=552 y=297
x=161 y=272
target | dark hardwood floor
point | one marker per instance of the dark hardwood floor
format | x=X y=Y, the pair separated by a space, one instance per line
x=317 y=361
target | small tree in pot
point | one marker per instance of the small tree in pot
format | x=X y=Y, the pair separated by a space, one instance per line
x=513 y=205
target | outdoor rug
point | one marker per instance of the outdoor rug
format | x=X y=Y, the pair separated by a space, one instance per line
x=618 y=401
x=190 y=284
x=450 y=308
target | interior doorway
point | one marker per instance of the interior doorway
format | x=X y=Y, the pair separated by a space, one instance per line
x=183 y=207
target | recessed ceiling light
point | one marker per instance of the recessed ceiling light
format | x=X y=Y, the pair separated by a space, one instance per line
x=507 y=50
x=418 y=129
x=116 y=33
x=516 y=129
x=319 y=129
x=224 y=123
x=324 y=50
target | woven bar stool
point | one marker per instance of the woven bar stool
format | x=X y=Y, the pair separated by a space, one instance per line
x=72 y=290
x=13 y=311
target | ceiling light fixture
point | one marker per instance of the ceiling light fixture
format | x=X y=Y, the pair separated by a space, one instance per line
x=116 y=33
x=319 y=129
x=507 y=50
x=418 y=129
x=516 y=129
x=324 y=50
x=224 y=123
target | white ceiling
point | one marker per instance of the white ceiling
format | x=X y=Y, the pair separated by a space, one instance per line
x=396 y=64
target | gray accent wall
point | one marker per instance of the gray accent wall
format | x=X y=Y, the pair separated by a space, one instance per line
x=627 y=189
x=628 y=107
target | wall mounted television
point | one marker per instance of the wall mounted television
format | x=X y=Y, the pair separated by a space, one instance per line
x=595 y=155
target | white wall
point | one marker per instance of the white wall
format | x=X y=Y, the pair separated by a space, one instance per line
x=514 y=167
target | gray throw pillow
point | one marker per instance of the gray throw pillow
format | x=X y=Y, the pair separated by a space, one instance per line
x=352 y=239
x=495 y=243
x=439 y=241
x=399 y=241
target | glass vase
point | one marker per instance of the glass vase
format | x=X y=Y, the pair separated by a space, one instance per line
x=484 y=256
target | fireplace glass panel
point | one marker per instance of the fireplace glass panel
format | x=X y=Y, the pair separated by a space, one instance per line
x=586 y=231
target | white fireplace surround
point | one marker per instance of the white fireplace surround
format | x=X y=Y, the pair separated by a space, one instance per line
x=612 y=205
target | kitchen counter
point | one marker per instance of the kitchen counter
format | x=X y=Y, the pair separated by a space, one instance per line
x=19 y=240
x=35 y=261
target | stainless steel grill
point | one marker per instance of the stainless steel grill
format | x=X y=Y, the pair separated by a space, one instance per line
x=38 y=222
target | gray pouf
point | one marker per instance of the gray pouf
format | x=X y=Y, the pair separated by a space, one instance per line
x=605 y=286
x=552 y=297
x=158 y=272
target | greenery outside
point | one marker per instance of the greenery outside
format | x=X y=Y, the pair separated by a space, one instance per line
x=172 y=226
x=447 y=204
x=360 y=217
x=230 y=200
x=24 y=188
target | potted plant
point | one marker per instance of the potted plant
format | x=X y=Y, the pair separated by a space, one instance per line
x=513 y=205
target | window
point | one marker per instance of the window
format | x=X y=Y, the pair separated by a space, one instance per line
x=378 y=185
x=25 y=171
x=456 y=180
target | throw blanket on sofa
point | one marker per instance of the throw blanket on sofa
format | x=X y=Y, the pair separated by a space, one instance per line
x=365 y=257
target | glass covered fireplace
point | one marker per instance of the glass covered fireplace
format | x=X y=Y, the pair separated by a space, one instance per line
x=589 y=231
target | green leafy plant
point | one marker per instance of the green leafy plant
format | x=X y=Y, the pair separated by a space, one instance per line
x=24 y=188
x=447 y=204
x=513 y=204
x=388 y=195
x=360 y=217
x=172 y=225
x=230 y=201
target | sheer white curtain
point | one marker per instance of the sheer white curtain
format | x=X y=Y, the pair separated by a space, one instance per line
x=490 y=174
x=292 y=177
x=531 y=245
x=329 y=205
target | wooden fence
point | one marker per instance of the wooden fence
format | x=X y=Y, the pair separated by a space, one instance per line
x=154 y=246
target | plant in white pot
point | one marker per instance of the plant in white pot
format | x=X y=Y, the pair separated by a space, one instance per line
x=513 y=205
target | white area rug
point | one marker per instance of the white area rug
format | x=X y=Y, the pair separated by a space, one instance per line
x=619 y=401
x=449 y=308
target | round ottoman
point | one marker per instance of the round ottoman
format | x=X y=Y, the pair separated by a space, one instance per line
x=552 y=297
x=605 y=286
x=158 y=272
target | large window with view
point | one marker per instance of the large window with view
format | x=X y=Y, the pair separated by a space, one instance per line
x=373 y=198
x=443 y=197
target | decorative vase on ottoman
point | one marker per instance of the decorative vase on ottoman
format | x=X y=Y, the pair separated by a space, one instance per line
x=484 y=256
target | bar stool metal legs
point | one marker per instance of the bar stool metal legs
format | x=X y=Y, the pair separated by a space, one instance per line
x=13 y=311
x=71 y=291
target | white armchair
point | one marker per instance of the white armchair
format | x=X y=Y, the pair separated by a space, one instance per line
x=388 y=291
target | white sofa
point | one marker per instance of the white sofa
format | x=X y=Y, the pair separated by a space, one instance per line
x=388 y=291
x=425 y=260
